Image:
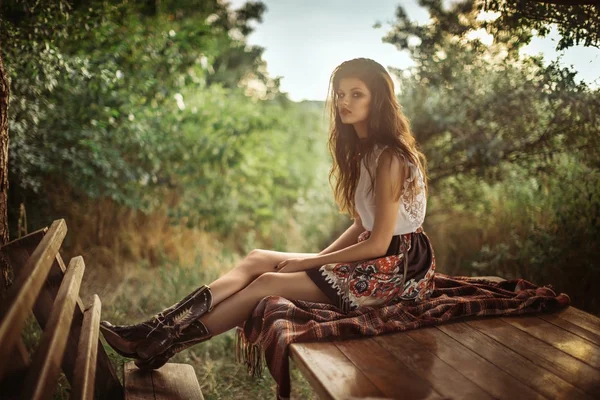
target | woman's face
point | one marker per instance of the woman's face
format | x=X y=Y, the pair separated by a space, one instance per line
x=354 y=97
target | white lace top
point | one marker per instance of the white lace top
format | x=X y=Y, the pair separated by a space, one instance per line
x=411 y=212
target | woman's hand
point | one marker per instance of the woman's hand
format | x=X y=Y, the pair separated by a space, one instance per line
x=294 y=265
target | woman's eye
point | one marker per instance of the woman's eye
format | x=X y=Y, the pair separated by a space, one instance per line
x=355 y=93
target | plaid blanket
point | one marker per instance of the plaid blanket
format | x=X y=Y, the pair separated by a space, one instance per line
x=277 y=322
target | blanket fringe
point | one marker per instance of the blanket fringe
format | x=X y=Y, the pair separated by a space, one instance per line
x=248 y=353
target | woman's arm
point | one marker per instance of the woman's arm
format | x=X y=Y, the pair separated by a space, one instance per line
x=390 y=174
x=348 y=238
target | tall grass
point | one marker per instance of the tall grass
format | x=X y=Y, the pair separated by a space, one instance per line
x=139 y=264
x=544 y=229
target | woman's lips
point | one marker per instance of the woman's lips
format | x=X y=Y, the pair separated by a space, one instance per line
x=345 y=112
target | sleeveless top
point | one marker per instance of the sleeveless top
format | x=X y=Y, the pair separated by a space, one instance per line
x=411 y=212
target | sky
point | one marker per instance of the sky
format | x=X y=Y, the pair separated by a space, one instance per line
x=305 y=40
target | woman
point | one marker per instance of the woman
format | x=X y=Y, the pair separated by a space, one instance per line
x=383 y=257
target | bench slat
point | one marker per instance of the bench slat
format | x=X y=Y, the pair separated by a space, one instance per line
x=171 y=382
x=557 y=362
x=107 y=384
x=580 y=318
x=85 y=366
x=45 y=368
x=137 y=383
x=511 y=362
x=388 y=373
x=17 y=252
x=176 y=382
x=545 y=355
x=70 y=336
x=571 y=327
x=22 y=295
x=558 y=338
x=485 y=374
x=441 y=376
x=315 y=360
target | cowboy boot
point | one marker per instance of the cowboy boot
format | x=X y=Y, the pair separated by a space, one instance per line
x=152 y=337
x=195 y=333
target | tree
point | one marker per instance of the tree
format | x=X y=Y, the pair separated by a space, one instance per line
x=99 y=79
x=4 y=96
x=475 y=106
x=578 y=21
x=513 y=146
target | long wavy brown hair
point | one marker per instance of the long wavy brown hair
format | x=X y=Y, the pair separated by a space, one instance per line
x=387 y=126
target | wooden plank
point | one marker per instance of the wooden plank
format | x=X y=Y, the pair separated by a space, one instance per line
x=85 y=367
x=137 y=383
x=172 y=381
x=580 y=318
x=537 y=378
x=44 y=370
x=18 y=251
x=22 y=295
x=31 y=239
x=441 y=376
x=6 y=248
x=559 y=338
x=387 y=372
x=571 y=327
x=479 y=370
x=175 y=381
x=570 y=369
x=329 y=372
x=108 y=386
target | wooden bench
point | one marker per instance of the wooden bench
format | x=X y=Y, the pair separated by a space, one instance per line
x=555 y=355
x=70 y=339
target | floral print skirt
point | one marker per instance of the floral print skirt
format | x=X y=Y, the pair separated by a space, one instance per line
x=381 y=281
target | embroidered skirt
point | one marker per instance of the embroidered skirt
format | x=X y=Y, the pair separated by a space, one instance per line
x=406 y=272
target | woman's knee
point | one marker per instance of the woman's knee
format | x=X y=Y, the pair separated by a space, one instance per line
x=256 y=254
x=258 y=261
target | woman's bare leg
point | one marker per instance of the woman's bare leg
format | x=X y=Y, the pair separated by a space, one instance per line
x=256 y=263
x=237 y=308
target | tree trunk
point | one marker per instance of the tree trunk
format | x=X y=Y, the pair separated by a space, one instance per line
x=4 y=94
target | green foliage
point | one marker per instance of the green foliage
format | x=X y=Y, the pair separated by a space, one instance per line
x=577 y=21
x=512 y=145
x=129 y=103
x=248 y=162
x=473 y=106
x=550 y=226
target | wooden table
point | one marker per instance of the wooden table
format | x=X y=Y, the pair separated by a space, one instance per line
x=554 y=356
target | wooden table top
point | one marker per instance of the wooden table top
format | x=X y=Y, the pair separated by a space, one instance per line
x=555 y=355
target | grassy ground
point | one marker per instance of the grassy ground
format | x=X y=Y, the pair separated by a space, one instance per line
x=140 y=291
x=138 y=265
x=135 y=293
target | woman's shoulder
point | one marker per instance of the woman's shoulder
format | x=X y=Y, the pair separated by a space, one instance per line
x=387 y=154
x=398 y=159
